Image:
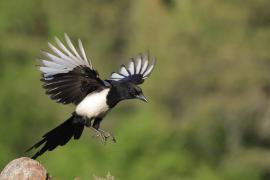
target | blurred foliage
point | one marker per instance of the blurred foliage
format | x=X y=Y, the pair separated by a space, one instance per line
x=208 y=116
x=108 y=177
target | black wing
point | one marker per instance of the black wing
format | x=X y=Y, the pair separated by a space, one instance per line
x=137 y=71
x=68 y=76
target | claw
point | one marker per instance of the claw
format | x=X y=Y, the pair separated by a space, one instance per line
x=108 y=135
x=103 y=135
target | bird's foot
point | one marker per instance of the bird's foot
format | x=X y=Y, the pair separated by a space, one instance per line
x=104 y=135
x=108 y=135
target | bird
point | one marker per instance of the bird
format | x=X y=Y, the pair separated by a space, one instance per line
x=68 y=77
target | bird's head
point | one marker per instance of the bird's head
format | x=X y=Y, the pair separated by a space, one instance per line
x=135 y=92
x=131 y=91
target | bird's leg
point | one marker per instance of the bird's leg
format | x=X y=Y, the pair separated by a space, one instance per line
x=100 y=132
x=88 y=123
x=107 y=134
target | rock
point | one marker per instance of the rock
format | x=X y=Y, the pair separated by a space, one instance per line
x=24 y=169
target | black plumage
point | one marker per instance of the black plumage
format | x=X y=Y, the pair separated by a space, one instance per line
x=59 y=135
x=73 y=86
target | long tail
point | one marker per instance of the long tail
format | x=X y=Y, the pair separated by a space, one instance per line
x=60 y=135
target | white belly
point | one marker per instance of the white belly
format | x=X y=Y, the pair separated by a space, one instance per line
x=93 y=105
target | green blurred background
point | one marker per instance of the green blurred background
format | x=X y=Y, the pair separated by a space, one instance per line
x=208 y=116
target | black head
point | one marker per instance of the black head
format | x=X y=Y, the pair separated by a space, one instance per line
x=123 y=90
x=134 y=92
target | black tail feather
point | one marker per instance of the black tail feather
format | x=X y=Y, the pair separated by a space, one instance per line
x=59 y=136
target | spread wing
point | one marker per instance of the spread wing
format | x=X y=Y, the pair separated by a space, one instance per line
x=137 y=71
x=67 y=74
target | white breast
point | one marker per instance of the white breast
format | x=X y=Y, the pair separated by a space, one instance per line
x=93 y=105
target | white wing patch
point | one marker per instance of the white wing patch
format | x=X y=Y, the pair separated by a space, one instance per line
x=131 y=67
x=64 y=59
x=124 y=71
x=117 y=76
x=139 y=66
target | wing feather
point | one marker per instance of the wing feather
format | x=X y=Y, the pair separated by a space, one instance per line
x=131 y=67
x=138 y=70
x=124 y=71
x=61 y=45
x=149 y=69
x=71 y=46
x=145 y=64
x=68 y=76
x=83 y=53
x=52 y=64
x=138 y=64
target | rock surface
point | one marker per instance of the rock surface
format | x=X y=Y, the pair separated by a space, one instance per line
x=24 y=169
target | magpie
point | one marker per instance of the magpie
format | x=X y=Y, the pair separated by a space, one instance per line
x=69 y=78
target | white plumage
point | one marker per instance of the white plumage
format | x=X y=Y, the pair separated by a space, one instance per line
x=117 y=76
x=94 y=105
x=65 y=58
x=141 y=66
x=144 y=66
x=131 y=67
x=123 y=71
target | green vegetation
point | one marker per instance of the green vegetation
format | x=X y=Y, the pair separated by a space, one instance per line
x=208 y=116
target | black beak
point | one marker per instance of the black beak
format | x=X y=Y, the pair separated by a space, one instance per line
x=141 y=97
